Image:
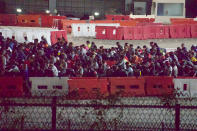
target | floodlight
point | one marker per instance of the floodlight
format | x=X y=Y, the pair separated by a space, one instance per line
x=19 y=10
x=47 y=11
x=96 y=14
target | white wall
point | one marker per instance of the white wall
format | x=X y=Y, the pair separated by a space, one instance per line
x=31 y=33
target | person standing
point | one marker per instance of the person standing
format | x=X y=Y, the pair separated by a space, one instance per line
x=26 y=40
x=3 y=62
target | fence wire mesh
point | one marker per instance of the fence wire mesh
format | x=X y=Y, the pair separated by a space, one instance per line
x=188 y=119
x=115 y=118
x=60 y=113
x=25 y=118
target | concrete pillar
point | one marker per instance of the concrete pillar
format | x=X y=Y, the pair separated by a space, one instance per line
x=128 y=4
x=52 y=6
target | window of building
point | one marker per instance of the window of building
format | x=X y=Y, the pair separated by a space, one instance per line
x=140 y=8
x=170 y=9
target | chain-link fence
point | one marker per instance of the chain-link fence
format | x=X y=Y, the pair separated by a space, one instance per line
x=137 y=113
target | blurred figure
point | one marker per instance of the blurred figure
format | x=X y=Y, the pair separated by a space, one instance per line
x=26 y=40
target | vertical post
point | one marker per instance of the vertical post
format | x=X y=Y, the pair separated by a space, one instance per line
x=69 y=124
x=162 y=126
x=53 y=6
x=177 y=117
x=54 y=113
x=127 y=6
x=22 y=123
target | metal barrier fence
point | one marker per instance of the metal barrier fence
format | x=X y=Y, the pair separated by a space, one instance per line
x=61 y=114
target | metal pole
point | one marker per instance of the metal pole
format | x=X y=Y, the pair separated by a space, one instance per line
x=177 y=117
x=53 y=107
